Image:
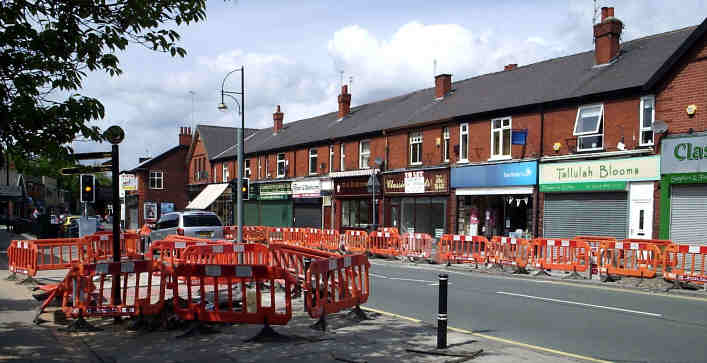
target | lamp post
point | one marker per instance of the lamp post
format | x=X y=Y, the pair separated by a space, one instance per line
x=237 y=197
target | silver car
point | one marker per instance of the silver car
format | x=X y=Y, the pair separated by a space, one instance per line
x=189 y=223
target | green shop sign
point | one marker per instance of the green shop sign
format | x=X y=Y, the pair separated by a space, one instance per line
x=274 y=191
x=583 y=187
x=687 y=178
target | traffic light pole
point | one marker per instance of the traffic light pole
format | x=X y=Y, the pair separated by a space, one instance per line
x=116 y=226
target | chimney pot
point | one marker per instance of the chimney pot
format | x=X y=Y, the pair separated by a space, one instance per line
x=277 y=118
x=607 y=35
x=344 y=102
x=443 y=85
x=510 y=66
x=184 y=136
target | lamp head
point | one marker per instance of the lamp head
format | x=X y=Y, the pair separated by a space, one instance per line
x=222 y=107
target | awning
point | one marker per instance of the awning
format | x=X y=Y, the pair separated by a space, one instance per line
x=207 y=196
x=496 y=190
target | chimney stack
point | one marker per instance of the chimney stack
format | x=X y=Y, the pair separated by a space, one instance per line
x=185 y=136
x=277 y=118
x=606 y=36
x=510 y=67
x=443 y=85
x=344 y=102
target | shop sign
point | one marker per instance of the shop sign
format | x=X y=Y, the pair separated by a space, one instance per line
x=417 y=182
x=166 y=207
x=306 y=189
x=150 y=211
x=598 y=173
x=128 y=182
x=273 y=191
x=494 y=175
x=352 y=186
x=688 y=178
x=584 y=187
x=684 y=155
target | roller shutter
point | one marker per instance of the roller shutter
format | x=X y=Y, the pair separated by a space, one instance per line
x=251 y=213
x=688 y=214
x=575 y=214
x=308 y=215
x=276 y=213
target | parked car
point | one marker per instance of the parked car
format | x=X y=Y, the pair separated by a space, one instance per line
x=200 y=224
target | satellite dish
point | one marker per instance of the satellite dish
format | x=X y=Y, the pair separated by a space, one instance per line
x=378 y=161
x=660 y=126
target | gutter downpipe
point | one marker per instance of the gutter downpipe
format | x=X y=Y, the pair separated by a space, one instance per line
x=537 y=175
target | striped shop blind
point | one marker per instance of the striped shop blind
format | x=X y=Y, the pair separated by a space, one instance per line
x=566 y=215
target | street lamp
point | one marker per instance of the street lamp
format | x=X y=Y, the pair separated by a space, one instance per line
x=237 y=197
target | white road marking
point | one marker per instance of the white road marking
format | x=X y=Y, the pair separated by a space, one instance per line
x=429 y=282
x=580 y=304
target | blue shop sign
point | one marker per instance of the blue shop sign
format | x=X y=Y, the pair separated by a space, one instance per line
x=494 y=175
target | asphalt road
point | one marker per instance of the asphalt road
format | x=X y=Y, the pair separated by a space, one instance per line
x=600 y=323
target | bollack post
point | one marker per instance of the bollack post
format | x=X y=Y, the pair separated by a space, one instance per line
x=442 y=316
x=116 y=226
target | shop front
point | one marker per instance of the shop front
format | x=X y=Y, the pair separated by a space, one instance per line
x=354 y=200
x=605 y=197
x=273 y=207
x=495 y=199
x=683 y=189
x=307 y=200
x=416 y=201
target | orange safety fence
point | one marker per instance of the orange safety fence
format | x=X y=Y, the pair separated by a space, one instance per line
x=331 y=240
x=30 y=256
x=221 y=293
x=389 y=230
x=560 y=254
x=630 y=259
x=145 y=230
x=455 y=248
x=313 y=238
x=250 y=233
x=356 y=241
x=384 y=243
x=686 y=263
x=335 y=284
x=292 y=258
x=228 y=254
x=295 y=236
x=508 y=251
x=101 y=245
x=417 y=245
x=276 y=235
x=172 y=251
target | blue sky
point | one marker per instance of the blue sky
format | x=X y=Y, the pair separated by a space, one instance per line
x=293 y=52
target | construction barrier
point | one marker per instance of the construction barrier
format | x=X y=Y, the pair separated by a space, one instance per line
x=388 y=230
x=221 y=293
x=507 y=251
x=634 y=259
x=561 y=255
x=336 y=284
x=384 y=244
x=312 y=238
x=171 y=251
x=101 y=245
x=293 y=258
x=417 y=245
x=356 y=241
x=250 y=233
x=331 y=240
x=685 y=263
x=454 y=248
x=227 y=254
x=30 y=256
x=276 y=235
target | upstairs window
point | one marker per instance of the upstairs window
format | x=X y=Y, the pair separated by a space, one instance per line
x=416 y=148
x=331 y=158
x=342 y=155
x=589 y=128
x=156 y=179
x=247 y=168
x=281 y=164
x=647 y=118
x=260 y=174
x=312 y=161
x=445 y=144
x=364 y=154
x=226 y=175
x=464 y=142
x=501 y=138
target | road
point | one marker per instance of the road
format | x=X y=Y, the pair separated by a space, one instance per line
x=601 y=323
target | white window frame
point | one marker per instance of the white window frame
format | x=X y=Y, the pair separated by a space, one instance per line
x=415 y=138
x=463 y=151
x=284 y=165
x=593 y=133
x=445 y=144
x=342 y=155
x=267 y=171
x=260 y=174
x=156 y=178
x=246 y=168
x=331 y=158
x=503 y=127
x=225 y=175
x=315 y=156
x=642 y=128
x=361 y=154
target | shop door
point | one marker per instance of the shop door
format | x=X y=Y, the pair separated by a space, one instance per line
x=576 y=214
x=276 y=213
x=308 y=215
x=688 y=214
x=641 y=210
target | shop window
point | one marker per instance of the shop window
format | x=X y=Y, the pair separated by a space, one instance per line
x=342 y=155
x=312 y=161
x=419 y=215
x=356 y=213
x=464 y=142
x=225 y=173
x=501 y=138
x=281 y=165
x=445 y=144
x=364 y=154
x=495 y=215
x=589 y=128
x=647 y=118
x=416 y=148
x=247 y=169
x=156 y=179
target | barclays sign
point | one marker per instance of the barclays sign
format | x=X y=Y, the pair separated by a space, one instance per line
x=495 y=175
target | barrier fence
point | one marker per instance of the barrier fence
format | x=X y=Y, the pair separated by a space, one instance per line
x=335 y=284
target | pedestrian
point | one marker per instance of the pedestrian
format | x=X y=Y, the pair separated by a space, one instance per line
x=35 y=214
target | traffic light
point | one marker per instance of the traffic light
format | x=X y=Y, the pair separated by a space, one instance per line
x=245 y=188
x=88 y=186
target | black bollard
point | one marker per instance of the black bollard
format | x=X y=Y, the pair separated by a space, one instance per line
x=307 y=262
x=442 y=316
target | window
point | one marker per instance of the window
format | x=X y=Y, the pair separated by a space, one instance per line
x=464 y=142
x=260 y=174
x=168 y=221
x=416 y=148
x=647 y=118
x=356 y=213
x=589 y=128
x=501 y=138
x=214 y=174
x=156 y=180
x=342 y=166
x=445 y=144
x=281 y=164
x=364 y=154
x=225 y=173
x=201 y=220
x=331 y=158
x=247 y=168
x=312 y=161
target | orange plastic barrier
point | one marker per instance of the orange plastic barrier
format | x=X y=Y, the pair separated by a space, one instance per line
x=562 y=255
x=417 y=245
x=630 y=259
x=101 y=245
x=356 y=241
x=250 y=233
x=508 y=251
x=292 y=258
x=29 y=256
x=276 y=235
x=171 y=251
x=331 y=240
x=223 y=294
x=227 y=254
x=686 y=263
x=313 y=237
x=384 y=243
x=455 y=248
x=336 y=284
x=145 y=230
x=295 y=236
x=388 y=230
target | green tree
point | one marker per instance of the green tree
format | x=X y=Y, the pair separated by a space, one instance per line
x=46 y=50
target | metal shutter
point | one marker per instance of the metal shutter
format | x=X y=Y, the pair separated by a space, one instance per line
x=276 y=213
x=688 y=214
x=308 y=215
x=595 y=214
x=251 y=213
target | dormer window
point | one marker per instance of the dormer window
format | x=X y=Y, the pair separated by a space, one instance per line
x=589 y=128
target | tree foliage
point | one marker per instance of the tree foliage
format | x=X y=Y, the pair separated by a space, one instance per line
x=48 y=47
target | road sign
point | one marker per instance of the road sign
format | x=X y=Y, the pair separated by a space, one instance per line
x=91 y=156
x=85 y=170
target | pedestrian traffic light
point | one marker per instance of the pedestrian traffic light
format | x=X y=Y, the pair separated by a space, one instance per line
x=88 y=186
x=245 y=188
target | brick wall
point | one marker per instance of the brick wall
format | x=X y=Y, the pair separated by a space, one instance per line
x=174 y=183
x=198 y=158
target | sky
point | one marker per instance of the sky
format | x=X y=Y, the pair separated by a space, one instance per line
x=296 y=53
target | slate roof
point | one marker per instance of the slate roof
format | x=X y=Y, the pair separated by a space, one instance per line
x=216 y=139
x=564 y=78
x=149 y=161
